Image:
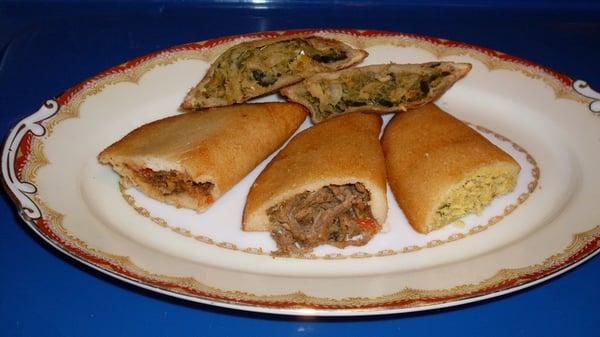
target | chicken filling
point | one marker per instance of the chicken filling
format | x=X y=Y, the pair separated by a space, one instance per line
x=338 y=215
x=472 y=197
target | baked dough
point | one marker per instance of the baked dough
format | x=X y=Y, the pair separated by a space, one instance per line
x=376 y=88
x=440 y=169
x=255 y=68
x=190 y=160
x=340 y=158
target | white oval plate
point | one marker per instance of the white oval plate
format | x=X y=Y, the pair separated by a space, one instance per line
x=549 y=224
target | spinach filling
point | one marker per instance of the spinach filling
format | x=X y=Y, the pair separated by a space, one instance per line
x=330 y=56
x=264 y=79
x=247 y=71
x=373 y=89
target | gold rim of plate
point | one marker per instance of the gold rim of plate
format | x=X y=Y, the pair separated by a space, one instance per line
x=50 y=226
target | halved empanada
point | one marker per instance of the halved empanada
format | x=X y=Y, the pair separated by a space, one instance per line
x=376 y=88
x=255 y=68
x=190 y=160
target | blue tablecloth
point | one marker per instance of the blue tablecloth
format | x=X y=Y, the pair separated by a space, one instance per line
x=48 y=47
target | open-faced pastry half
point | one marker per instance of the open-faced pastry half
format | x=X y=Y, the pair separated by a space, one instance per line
x=440 y=169
x=376 y=88
x=190 y=160
x=327 y=186
x=255 y=68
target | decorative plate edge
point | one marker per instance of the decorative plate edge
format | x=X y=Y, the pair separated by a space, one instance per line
x=584 y=89
x=67 y=95
x=19 y=190
x=584 y=245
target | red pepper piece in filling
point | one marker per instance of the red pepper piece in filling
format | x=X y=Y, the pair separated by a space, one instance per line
x=368 y=224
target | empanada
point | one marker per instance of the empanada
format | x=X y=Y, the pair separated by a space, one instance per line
x=190 y=160
x=376 y=88
x=255 y=68
x=440 y=169
x=327 y=186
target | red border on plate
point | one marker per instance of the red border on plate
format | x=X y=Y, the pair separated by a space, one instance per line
x=24 y=151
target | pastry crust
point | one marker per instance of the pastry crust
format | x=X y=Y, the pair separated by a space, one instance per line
x=436 y=163
x=216 y=147
x=242 y=70
x=377 y=88
x=345 y=150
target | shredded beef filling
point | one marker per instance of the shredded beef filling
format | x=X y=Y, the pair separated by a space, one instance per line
x=173 y=182
x=338 y=215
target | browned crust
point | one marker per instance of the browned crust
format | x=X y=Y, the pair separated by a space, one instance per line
x=341 y=151
x=217 y=145
x=354 y=56
x=295 y=92
x=428 y=151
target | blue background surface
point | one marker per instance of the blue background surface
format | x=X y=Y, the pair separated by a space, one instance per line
x=47 y=47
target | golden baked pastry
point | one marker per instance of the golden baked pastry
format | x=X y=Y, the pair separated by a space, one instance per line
x=190 y=160
x=255 y=68
x=440 y=169
x=376 y=88
x=327 y=186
